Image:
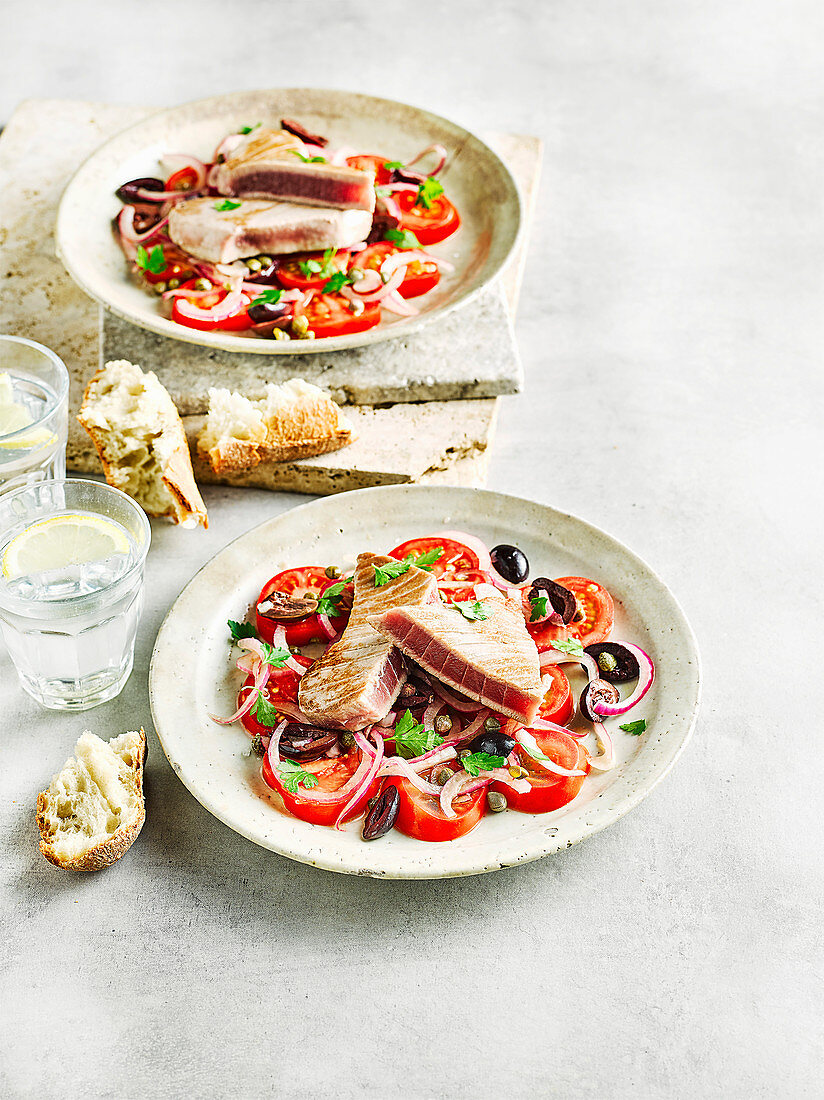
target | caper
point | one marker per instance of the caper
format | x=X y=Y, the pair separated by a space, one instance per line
x=443 y=723
x=606 y=662
x=346 y=739
x=203 y=284
x=253 y=264
x=356 y=274
x=332 y=572
x=492 y=725
x=159 y=288
x=258 y=748
x=356 y=308
x=265 y=260
x=517 y=772
x=441 y=776
x=496 y=801
x=307 y=335
x=279 y=334
x=464 y=753
x=300 y=326
x=173 y=284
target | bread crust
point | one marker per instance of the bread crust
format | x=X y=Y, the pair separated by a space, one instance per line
x=107 y=852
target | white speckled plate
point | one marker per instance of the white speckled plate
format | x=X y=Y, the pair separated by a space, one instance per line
x=475 y=179
x=191 y=673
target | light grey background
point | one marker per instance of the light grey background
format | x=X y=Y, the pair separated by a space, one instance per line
x=670 y=327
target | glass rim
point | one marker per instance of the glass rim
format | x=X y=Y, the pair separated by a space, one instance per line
x=64 y=381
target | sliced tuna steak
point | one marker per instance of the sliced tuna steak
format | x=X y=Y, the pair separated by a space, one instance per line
x=257 y=226
x=492 y=660
x=269 y=164
x=358 y=678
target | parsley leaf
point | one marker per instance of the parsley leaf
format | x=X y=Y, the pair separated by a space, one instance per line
x=292 y=776
x=428 y=191
x=330 y=600
x=385 y=573
x=391 y=165
x=265 y=713
x=411 y=739
x=248 y=129
x=322 y=267
x=572 y=647
x=383 y=192
x=402 y=238
x=308 y=160
x=268 y=297
x=482 y=762
x=309 y=267
x=471 y=610
x=539 y=608
x=240 y=630
x=338 y=280
x=635 y=728
x=277 y=658
x=153 y=261
x=226 y=204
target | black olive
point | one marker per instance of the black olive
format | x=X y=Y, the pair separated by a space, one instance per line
x=615 y=662
x=267 y=275
x=302 y=742
x=496 y=744
x=510 y=562
x=127 y=192
x=268 y=312
x=560 y=598
x=406 y=175
x=301 y=132
x=597 y=691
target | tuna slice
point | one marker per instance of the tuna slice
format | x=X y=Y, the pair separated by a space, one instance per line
x=358 y=678
x=491 y=660
x=269 y=164
x=257 y=226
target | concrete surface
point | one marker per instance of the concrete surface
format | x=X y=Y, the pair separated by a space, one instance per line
x=671 y=331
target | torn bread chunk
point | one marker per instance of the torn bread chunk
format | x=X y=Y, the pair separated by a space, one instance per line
x=294 y=420
x=93 y=809
x=139 y=436
x=256 y=226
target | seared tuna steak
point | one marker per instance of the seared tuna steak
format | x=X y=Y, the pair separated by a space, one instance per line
x=358 y=678
x=492 y=659
x=274 y=164
x=256 y=226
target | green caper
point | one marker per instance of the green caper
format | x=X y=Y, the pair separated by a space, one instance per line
x=464 y=753
x=346 y=739
x=258 y=748
x=443 y=723
x=173 y=284
x=265 y=261
x=300 y=326
x=496 y=801
x=279 y=334
x=356 y=274
x=307 y=335
x=254 y=264
x=517 y=772
x=492 y=725
x=441 y=776
x=203 y=284
x=332 y=572
x=606 y=662
x=159 y=288
x=355 y=307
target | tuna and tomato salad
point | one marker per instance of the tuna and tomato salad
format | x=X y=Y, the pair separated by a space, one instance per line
x=282 y=237
x=424 y=688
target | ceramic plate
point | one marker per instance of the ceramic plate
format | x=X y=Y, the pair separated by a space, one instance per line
x=192 y=673
x=475 y=179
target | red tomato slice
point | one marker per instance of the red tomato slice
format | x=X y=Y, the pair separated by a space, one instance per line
x=596 y=625
x=557 y=704
x=182 y=180
x=236 y=322
x=429 y=226
x=370 y=162
x=420 y=815
x=309 y=581
x=330 y=315
x=177 y=267
x=455 y=560
x=461 y=585
x=419 y=278
x=548 y=791
x=290 y=273
x=282 y=685
x=332 y=774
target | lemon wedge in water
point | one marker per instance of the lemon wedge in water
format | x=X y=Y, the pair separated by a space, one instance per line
x=63 y=540
x=14 y=416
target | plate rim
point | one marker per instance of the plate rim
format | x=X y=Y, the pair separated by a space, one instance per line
x=533 y=850
x=228 y=342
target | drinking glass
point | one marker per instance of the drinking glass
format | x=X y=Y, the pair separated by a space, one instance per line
x=34 y=391
x=71 y=588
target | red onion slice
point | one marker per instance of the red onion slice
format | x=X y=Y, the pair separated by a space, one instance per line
x=403 y=259
x=261 y=676
x=473 y=542
x=606 y=760
x=396 y=765
x=532 y=749
x=431 y=713
x=436 y=148
x=363 y=786
x=327 y=628
x=555 y=657
x=227 y=146
x=227 y=307
x=645 y=677
x=450 y=790
x=452 y=699
x=396 y=304
x=165 y=196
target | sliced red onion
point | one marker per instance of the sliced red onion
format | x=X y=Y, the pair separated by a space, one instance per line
x=606 y=760
x=183 y=160
x=228 y=145
x=473 y=542
x=273 y=750
x=397 y=304
x=450 y=791
x=498 y=775
x=440 y=755
x=547 y=727
x=403 y=259
x=396 y=765
x=555 y=657
x=295 y=666
x=452 y=699
x=436 y=148
x=531 y=748
x=383 y=291
x=165 y=196
x=363 y=786
x=261 y=676
x=369 y=282
x=474 y=726
x=340 y=156
x=400 y=185
x=125 y=225
x=431 y=713
x=227 y=307
x=327 y=628
x=645 y=677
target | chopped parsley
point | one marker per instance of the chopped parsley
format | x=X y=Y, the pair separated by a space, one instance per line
x=268 y=297
x=292 y=776
x=248 y=129
x=392 y=165
x=319 y=267
x=277 y=658
x=226 y=204
x=478 y=762
x=635 y=728
x=572 y=647
x=540 y=608
x=330 y=600
x=393 y=569
x=428 y=191
x=308 y=160
x=470 y=609
x=337 y=281
x=240 y=630
x=153 y=261
x=402 y=238
x=411 y=739
x=265 y=713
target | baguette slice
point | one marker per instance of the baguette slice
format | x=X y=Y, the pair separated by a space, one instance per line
x=93 y=809
x=294 y=420
x=141 y=442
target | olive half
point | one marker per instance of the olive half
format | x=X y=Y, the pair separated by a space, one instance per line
x=597 y=691
x=615 y=662
x=560 y=599
x=510 y=562
x=496 y=744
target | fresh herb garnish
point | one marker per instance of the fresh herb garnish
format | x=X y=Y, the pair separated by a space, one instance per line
x=330 y=600
x=411 y=739
x=226 y=204
x=391 y=165
x=265 y=713
x=470 y=609
x=478 y=762
x=383 y=192
x=319 y=267
x=334 y=284
x=308 y=160
x=268 y=297
x=277 y=658
x=635 y=728
x=309 y=267
x=153 y=261
x=248 y=129
x=572 y=647
x=385 y=573
x=428 y=191
x=240 y=630
x=539 y=608
x=292 y=776
x=402 y=238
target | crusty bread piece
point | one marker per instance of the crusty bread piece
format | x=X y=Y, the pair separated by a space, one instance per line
x=141 y=442
x=294 y=420
x=93 y=809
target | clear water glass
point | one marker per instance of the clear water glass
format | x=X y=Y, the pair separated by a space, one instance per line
x=34 y=394
x=71 y=630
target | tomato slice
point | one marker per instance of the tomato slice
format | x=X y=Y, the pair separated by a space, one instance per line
x=596 y=625
x=177 y=267
x=420 y=815
x=371 y=162
x=429 y=226
x=290 y=273
x=311 y=580
x=456 y=559
x=557 y=704
x=182 y=180
x=236 y=322
x=282 y=685
x=330 y=315
x=419 y=279
x=333 y=773
x=548 y=791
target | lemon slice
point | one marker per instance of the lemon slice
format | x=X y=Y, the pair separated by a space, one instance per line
x=60 y=541
x=13 y=417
